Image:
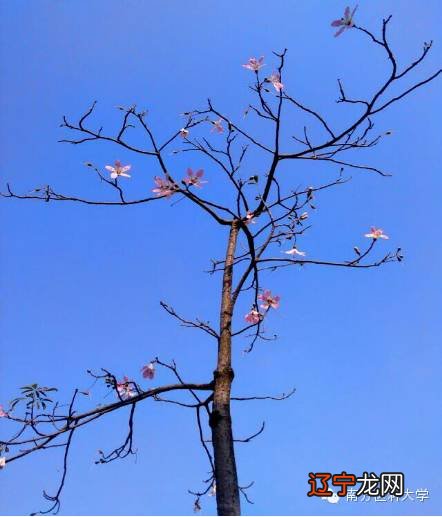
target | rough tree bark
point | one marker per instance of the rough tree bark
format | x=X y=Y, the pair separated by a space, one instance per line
x=227 y=491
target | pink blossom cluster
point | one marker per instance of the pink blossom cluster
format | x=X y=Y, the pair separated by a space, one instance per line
x=294 y=251
x=254 y=316
x=194 y=178
x=118 y=169
x=275 y=79
x=164 y=187
x=217 y=126
x=127 y=388
x=255 y=65
x=376 y=233
x=250 y=218
x=269 y=301
x=346 y=22
x=148 y=371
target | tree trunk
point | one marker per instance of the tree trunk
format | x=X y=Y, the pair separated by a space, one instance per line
x=227 y=491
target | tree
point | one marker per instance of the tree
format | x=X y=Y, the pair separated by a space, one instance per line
x=256 y=224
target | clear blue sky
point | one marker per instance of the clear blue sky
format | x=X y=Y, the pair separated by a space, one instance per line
x=80 y=285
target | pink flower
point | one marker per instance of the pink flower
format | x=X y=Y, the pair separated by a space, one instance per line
x=376 y=233
x=254 y=64
x=275 y=79
x=194 y=178
x=253 y=317
x=184 y=133
x=164 y=187
x=250 y=218
x=125 y=389
x=118 y=170
x=268 y=300
x=346 y=22
x=295 y=251
x=217 y=126
x=2 y=462
x=148 y=371
x=2 y=412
